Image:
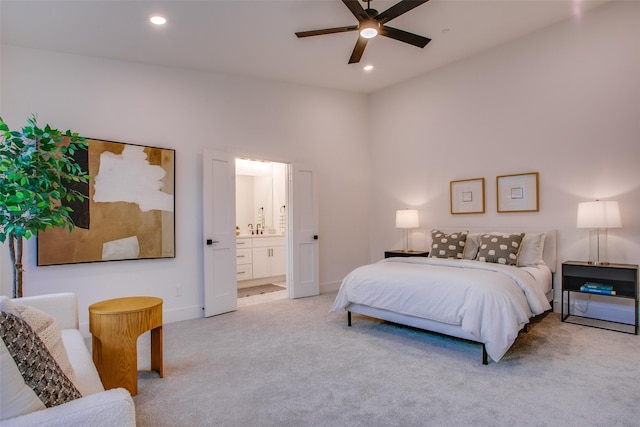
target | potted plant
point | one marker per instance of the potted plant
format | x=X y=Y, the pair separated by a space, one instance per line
x=36 y=169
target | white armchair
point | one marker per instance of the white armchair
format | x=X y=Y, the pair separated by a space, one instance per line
x=97 y=407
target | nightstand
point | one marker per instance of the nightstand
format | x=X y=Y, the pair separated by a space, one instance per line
x=398 y=252
x=622 y=277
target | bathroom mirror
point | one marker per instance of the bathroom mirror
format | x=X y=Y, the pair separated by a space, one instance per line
x=253 y=193
x=260 y=184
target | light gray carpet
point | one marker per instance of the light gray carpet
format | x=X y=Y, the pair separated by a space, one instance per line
x=291 y=363
x=259 y=290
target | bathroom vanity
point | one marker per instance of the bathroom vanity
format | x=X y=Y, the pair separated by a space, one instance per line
x=262 y=256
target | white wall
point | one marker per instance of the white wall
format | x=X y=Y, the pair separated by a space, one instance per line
x=190 y=111
x=564 y=102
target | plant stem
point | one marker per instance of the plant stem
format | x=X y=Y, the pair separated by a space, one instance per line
x=15 y=251
x=19 y=265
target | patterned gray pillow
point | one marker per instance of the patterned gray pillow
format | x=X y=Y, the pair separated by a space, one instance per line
x=447 y=245
x=500 y=248
x=37 y=366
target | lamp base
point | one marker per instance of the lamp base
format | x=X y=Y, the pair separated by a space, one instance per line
x=598 y=247
x=598 y=263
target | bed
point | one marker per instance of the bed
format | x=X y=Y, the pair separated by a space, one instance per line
x=483 y=287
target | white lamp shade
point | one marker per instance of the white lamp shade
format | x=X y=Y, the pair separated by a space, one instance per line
x=599 y=214
x=407 y=218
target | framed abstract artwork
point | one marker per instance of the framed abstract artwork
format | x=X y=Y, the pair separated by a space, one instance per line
x=129 y=212
x=467 y=196
x=518 y=193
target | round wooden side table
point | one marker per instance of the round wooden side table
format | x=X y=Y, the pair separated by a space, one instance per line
x=115 y=326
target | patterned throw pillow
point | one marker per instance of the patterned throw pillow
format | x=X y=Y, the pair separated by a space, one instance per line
x=447 y=245
x=500 y=248
x=37 y=366
x=47 y=329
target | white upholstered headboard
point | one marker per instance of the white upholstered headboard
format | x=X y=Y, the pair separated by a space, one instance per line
x=549 y=254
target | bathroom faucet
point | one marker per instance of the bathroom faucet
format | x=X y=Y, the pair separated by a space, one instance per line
x=259 y=228
x=250 y=228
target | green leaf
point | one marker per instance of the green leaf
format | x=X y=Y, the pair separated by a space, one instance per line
x=35 y=169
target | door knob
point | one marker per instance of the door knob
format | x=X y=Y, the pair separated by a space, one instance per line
x=211 y=242
x=315 y=237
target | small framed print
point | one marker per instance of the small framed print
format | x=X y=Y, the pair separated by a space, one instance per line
x=518 y=193
x=467 y=196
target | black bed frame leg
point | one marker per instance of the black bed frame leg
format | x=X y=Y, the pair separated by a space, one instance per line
x=348 y=318
x=485 y=358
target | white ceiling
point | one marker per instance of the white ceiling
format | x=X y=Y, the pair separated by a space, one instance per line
x=256 y=38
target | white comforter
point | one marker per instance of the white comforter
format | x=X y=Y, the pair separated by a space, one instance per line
x=490 y=301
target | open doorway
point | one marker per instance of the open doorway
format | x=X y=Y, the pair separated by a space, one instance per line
x=220 y=241
x=261 y=225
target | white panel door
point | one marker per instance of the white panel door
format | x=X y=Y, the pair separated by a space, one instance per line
x=219 y=205
x=303 y=233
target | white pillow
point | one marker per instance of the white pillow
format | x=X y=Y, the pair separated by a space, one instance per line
x=16 y=397
x=531 y=251
x=472 y=246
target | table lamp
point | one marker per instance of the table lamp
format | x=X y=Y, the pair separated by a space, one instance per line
x=598 y=216
x=406 y=219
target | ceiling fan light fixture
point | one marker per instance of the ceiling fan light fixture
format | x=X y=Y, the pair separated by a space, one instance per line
x=371 y=23
x=369 y=29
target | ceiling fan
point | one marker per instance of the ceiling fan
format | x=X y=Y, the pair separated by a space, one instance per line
x=371 y=23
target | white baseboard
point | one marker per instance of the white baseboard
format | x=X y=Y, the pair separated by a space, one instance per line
x=168 y=316
x=183 y=313
x=194 y=312
x=331 y=287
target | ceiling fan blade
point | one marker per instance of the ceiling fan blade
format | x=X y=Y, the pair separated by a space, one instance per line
x=326 y=31
x=358 y=50
x=404 y=36
x=355 y=8
x=398 y=9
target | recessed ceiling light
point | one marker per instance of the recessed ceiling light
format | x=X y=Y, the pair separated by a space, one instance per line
x=368 y=67
x=158 y=20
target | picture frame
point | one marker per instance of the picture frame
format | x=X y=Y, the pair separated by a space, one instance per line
x=518 y=193
x=467 y=196
x=129 y=212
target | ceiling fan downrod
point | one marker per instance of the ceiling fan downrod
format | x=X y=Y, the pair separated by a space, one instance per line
x=369 y=28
